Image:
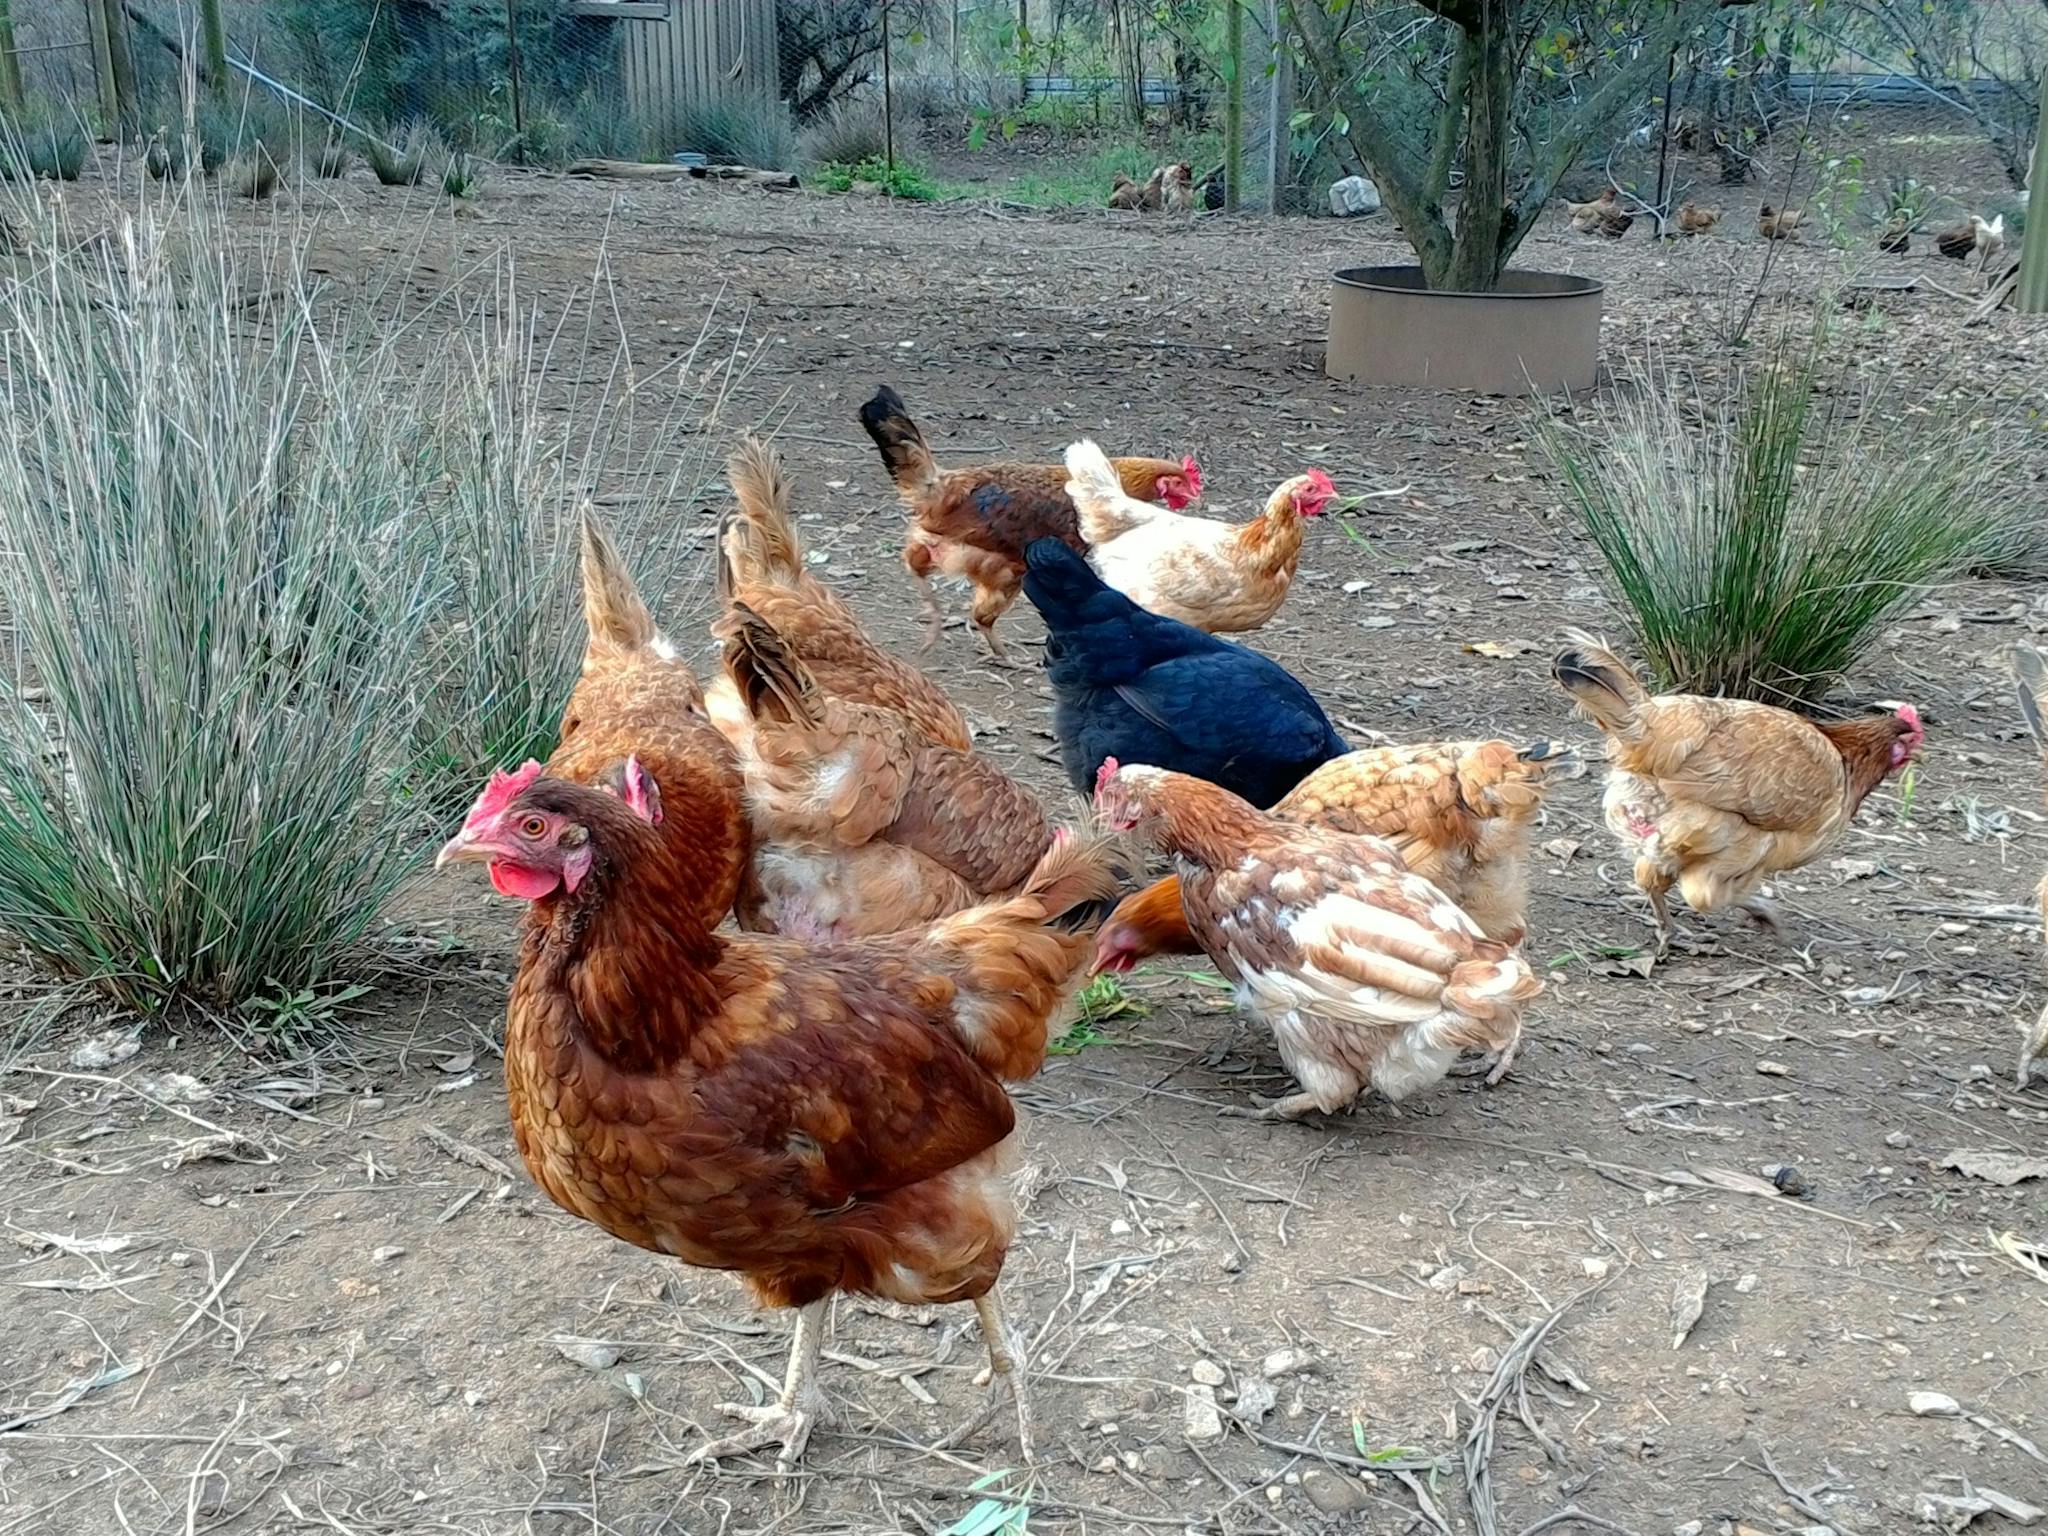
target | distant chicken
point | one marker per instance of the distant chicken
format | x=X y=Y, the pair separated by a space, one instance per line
x=1369 y=976
x=1602 y=216
x=975 y=522
x=1221 y=577
x=1457 y=812
x=637 y=697
x=862 y=825
x=1138 y=196
x=1132 y=684
x=1781 y=224
x=2032 y=668
x=1716 y=795
x=1974 y=236
x=1695 y=220
x=821 y=1120
x=1177 y=188
x=762 y=566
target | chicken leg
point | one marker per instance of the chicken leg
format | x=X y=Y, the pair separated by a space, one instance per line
x=2033 y=1046
x=1003 y=1367
x=787 y=1421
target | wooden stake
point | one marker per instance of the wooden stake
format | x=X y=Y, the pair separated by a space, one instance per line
x=103 y=67
x=2031 y=296
x=10 y=62
x=213 y=45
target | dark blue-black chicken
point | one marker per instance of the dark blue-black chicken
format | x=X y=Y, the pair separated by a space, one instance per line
x=1140 y=688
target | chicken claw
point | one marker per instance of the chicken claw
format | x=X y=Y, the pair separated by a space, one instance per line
x=1296 y=1106
x=1002 y=1367
x=788 y=1420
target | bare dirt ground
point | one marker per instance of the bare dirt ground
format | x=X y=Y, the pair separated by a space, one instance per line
x=312 y=1291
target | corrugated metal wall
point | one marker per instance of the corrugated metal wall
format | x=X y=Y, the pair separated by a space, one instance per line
x=706 y=50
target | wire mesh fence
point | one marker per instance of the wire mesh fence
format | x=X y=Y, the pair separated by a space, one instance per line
x=1034 y=101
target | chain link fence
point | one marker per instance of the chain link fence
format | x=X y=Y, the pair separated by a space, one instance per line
x=1041 y=102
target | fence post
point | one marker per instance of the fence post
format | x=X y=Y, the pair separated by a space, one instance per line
x=2031 y=296
x=213 y=42
x=121 y=65
x=1233 y=109
x=103 y=67
x=1023 y=51
x=10 y=62
x=1279 y=109
x=518 y=88
x=888 y=98
x=953 y=46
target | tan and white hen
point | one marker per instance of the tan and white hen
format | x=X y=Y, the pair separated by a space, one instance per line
x=1369 y=976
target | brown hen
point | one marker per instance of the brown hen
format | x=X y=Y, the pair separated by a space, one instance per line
x=976 y=522
x=1716 y=795
x=822 y=1121
x=637 y=697
x=861 y=825
x=762 y=565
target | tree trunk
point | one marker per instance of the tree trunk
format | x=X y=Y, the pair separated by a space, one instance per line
x=1480 y=251
x=2032 y=294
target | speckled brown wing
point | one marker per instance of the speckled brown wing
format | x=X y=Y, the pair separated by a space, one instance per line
x=1767 y=765
x=806 y=1136
x=841 y=780
x=967 y=814
x=823 y=634
x=1000 y=507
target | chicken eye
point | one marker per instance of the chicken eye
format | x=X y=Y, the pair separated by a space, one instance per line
x=534 y=826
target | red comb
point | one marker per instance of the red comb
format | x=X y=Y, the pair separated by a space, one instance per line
x=499 y=793
x=1322 y=482
x=1911 y=716
x=1193 y=471
x=1104 y=774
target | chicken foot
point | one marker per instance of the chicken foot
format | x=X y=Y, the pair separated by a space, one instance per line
x=788 y=1420
x=1003 y=1366
x=1296 y=1106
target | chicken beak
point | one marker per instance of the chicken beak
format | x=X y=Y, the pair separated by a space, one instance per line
x=459 y=849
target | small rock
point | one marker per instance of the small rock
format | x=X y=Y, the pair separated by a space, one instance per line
x=1230 y=1263
x=1207 y=1372
x=1948 y=1512
x=1332 y=1492
x=588 y=1353
x=1690 y=1528
x=1898 y=1141
x=1746 y=1285
x=1119 y=1228
x=1201 y=1419
x=1771 y=1068
x=1156 y=1461
x=1933 y=1405
x=1594 y=1269
x=1255 y=1399
x=180 y=1260
x=1286 y=1362
x=473 y=1397
x=1104 y=1464
x=385 y=1255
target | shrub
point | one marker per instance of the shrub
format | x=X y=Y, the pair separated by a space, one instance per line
x=253 y=176
x=333 y=161
x=1759 y=539
x=504 y=536
x=903 y=180
x=47 y=150
x=756 y=133
x=214 y=658
x=846 y=133
x=399 y=160
x=460 y=177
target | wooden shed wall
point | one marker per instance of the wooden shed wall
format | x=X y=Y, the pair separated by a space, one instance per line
x=707 y=50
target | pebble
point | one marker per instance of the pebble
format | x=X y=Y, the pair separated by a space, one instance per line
x=1230 y=1263
x=1332 y=1492
x=1933 y=1405
x=385 y=1255
x=1771 y=1068
x=1690 y=1528
x=1285 y=1362
x=1202 y=1420
x=1207 y=1372
x=1898 y=1141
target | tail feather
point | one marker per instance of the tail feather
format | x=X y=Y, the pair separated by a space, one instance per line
x=1014 y=959
x=614 y=611
x=1097 y=492
x=2032 y=670
x=759 y=543
x=1493 y=984
x=1603 y=684
x=773 y=684
x=902 y=446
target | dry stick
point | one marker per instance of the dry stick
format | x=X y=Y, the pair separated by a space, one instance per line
x=212 y=1295
x=1803 y=1498
x=1478 y=1452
